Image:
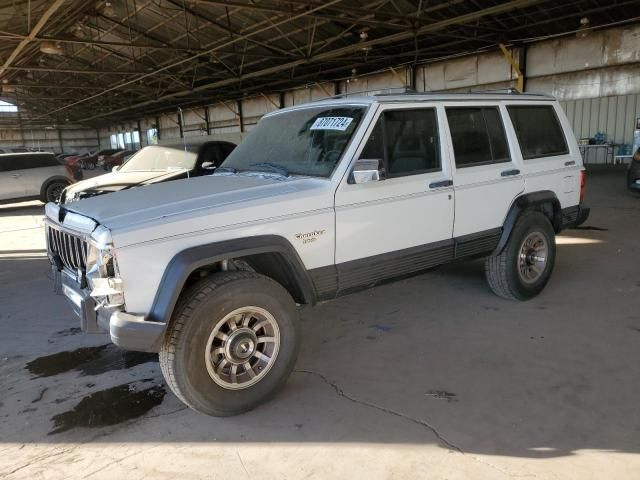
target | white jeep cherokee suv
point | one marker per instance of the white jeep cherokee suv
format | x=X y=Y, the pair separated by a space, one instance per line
x=320 y=200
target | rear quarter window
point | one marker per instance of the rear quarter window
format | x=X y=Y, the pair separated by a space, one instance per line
x=538 y=130
x=41 y=161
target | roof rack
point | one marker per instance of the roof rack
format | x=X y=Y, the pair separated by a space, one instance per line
x=381 y=92
x=508 y=91
x=374 y=93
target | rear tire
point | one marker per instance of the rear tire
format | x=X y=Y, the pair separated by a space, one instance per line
x=524 y=266
x=259 y=320
x=53 y=191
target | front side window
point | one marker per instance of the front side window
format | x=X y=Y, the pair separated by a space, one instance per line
x=538 y=130
x=478 y=136
x=308 y=141
x=407 y=141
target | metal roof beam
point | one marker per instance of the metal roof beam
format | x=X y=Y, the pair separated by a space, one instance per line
x=396 y=37
x=32 y=34
x=183 y=61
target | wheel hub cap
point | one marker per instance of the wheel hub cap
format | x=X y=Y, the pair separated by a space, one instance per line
x=532 y=260
x=241 y=345
x=242 y=348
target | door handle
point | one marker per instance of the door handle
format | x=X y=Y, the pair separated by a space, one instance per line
x=568 y=164
x=442 y=183
x=15 y=175
x=510 y=173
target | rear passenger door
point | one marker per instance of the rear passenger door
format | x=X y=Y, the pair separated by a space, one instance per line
x=37 y=168
x=11 y=181
x=549 y=160
x=404 y=222
x=486 y=176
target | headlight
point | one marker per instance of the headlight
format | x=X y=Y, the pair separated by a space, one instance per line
x=70 y=197
x=102 y=270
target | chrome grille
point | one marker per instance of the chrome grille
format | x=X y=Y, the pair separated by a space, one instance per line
x=71 y=250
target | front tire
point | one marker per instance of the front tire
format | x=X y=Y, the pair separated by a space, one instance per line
x=523 y=268
x=231 y=344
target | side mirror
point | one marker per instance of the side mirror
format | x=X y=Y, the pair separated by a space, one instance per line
x=367 y=170
x=116 y=168
x=208 y=166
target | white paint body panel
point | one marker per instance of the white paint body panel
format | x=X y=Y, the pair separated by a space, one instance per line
x=34 y=178
x=206 y=210
x=151 y=225
x=393 y=214
x=27 y=182
x=12 y=185
x=483 y=195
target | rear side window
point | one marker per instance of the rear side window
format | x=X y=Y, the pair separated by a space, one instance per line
x=407 y=140
x=41 y=161
x=538 y=130
x=24 y=162
x=8 y=163
x=478 y=136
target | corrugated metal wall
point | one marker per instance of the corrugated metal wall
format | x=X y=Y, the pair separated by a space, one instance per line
x=614 y=116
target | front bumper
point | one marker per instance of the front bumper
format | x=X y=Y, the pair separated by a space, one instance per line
x=127 y=331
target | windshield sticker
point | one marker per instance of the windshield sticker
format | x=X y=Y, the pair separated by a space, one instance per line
x=332 y=123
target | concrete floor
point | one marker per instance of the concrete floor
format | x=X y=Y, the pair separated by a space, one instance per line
x=431 y=377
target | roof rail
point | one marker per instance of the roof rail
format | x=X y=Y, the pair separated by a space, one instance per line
x=381 y=92
x=373 y=93
x=508 y=91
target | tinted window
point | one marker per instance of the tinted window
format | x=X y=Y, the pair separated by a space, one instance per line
x=227 y=148
x=478 y=136
x=374 y=148
x=24 y=162
x=538 y=130
x=407 y=140
x=41 y=161
x=8 y=162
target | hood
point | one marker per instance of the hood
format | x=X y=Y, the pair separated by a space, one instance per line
x=115 y=181
x=195 y=197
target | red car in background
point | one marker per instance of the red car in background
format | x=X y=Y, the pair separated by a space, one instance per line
x=74 y=165
x=110 y=161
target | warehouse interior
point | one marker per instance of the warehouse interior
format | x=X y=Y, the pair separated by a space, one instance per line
x=117 y=73
x=430 y=377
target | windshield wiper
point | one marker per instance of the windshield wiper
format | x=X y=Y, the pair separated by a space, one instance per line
x=272 y=167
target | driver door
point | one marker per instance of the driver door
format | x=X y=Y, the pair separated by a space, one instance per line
x=402 y=223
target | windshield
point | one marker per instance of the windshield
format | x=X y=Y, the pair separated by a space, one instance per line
x=157 y=158
x=309 y=141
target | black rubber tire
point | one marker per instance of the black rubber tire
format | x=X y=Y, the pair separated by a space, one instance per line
x=50 y=191
x=502 y=270
x=198 y=310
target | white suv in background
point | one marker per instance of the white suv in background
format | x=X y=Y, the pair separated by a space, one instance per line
x=32 y=175
x=320 y=200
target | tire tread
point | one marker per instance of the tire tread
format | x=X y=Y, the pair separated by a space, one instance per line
x=497 y=267
x=186 y=305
